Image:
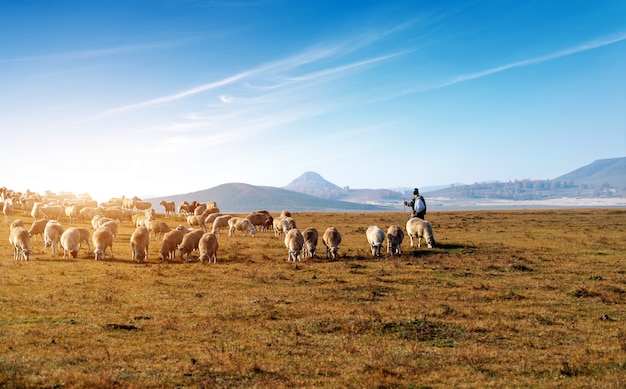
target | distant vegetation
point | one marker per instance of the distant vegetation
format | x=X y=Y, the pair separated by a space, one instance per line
x=531 y=190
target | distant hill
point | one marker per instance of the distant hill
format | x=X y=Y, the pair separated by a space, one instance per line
x=242 y=198
x=313 y=184
x=603 y=172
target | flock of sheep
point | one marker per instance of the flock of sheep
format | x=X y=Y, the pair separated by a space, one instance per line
x=205 y=224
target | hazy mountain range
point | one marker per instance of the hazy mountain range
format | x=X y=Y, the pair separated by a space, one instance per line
x=604 y=178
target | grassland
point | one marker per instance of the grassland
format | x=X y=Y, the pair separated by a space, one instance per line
x=507 y=299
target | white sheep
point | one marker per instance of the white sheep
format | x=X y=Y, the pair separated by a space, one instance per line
x=8 y=210
x=310 y=236
x=87 y=213
x=395 y=236
x=331 y=239
x=294 y=242
x=189 y=243
x=112 y=225
x=157 y=228
x=52 y=234
x=37 y=228
x=139 y=242
x=84 y=237
x=70 y=242
x=220 y=222
x=375 y=237
x=169 y=207
x=102 y=238
x=71 y=212
x=280 y=225
x=171 y=240
x=417 y=228
x=240 y=224
x=208 y=246
x=19 y=239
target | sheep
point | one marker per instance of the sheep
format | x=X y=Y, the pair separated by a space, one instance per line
x=71 y=212
x=16 y=223
x=8 y=210
x=183 y=208
x=375 y=237
x=111 y=225
x=199 y=210
x=331 y=239
x=285 y=213
x=88 y=213
x=37 y=228
x=84 y=237
x=53 y=212
x=220 y=222
x=395 y=236
x=195 y=221
x=294 y=242
x=280 y=225
x=142 y=205
x=259 y=219
x=240 y=224
x=18 y=238
x=189 y=243
x=157 y=228
x=36 y=211
x=102 y=238
x=139 y=242
x=70 y=242
x=51 y=235
x=208 y=246
x=417 y=228
x=142 y=220
x=171 y=240
x=310 y=236
x=210 y=219
x=291 y=222
x=169 y=207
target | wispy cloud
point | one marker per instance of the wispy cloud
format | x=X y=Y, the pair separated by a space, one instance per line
x=537 y=60
x=79 y=54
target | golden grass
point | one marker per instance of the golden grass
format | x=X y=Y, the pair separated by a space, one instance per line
x=508 y=299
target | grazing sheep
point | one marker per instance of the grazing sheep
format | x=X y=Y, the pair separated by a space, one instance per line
x=220 y=222
x=111 y=225
x=8 y=210
x=375 y=237
x=71 y=212
x=87 y=213
x=171 y=240
x=157 y=228
x=200 y=208
x=142 y=220
x=285 y=213
x=195 y=221
x=417 y=228
x=53 y=212
x=294 y=242
x=331 y=239
x=84 y=237
x=139 y=241
x=36 y=211
x=37 y=228
x=183 y=208
x=259 y=219
x=142 y=205
x=16 y=223
x=18 y=238
x=189 y=243
x=70 y=242
x=102 y=238
x=395 y=236
x=169 y=207
x=208 y=247
x=52 y=234
x=310 y=236
x=240 y=224
x=280 y=225
x=210 y=219
x=291 y=222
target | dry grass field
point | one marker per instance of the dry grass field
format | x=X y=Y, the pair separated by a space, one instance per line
x=507 y=299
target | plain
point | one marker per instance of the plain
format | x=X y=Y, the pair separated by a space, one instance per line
x=506 y=299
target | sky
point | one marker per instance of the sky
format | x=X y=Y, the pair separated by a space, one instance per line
x=164 y=97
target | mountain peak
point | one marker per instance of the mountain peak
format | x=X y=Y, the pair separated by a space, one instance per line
x=313 y=184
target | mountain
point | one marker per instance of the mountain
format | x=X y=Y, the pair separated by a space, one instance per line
x=603 y=172
x=243 y=198
x=313 y=184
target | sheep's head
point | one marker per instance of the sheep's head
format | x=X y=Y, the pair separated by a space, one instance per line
x=25 y=254
x=74 y=253
x=98 y=254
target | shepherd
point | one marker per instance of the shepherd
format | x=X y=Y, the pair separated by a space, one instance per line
x=417 y=205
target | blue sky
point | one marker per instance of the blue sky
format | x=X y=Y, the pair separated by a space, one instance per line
x=172 y=96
